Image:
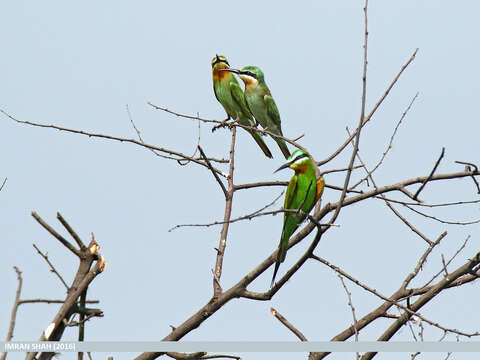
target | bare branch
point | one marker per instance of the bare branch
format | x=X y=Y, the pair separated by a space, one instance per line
x=244 y=217
x=448 y=262
x=52 y=268
x=185 y=356
x=369 y=116
x=390 y=206
x=72 y=232
x=350 y=304
x=217 y=289
x=184 y=115
x=115 y=138
x=51 y=301
x=288 y=324
x=215 y=175
x=55 y=234
x=442 y=284
x=3 y=184
x=431 y=174
x=139 y=136
x=440 y=220
x=390 y=144
x=422 y=260
x=69 y=302
x=468 y=168
x=16 y=303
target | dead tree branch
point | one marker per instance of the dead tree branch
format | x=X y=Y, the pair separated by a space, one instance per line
x=288 y=324
x=16 y=303
x=415 y=197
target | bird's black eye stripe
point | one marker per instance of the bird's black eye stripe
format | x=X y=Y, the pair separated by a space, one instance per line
x=301 y=156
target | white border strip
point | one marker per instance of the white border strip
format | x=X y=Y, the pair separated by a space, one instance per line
x=240 y=346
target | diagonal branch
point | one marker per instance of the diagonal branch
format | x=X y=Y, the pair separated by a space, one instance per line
x=369 y=116
x=442 y=284
x=115 y=138
x=225 y=192
x=55 y=234
x=415 y=197
x=288 y=324
x=72 y=232
x=3 y=184
x=52 y=268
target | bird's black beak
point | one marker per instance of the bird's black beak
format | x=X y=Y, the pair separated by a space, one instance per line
x=284 y=166
x=231 y=70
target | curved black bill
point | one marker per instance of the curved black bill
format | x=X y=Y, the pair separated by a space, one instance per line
x=231 y=70
x=284 y=166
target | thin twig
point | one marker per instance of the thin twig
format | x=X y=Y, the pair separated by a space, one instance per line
x=390 y=144
x=52 y=268
x=350 y=304
x=390 y=206
x=72 y=232
x=369 y=116
x=139 y=135
x=55 y=234
x=442 y=284
x=449 y=261
x=440 y=220
x=473 y=177
x=116 y=138
x=3 y=184
x=215 y=175
x=288 y=324
x=51 y=301
x=184 y=115
x=16 y=303
x=244 y=217
x=415 y=197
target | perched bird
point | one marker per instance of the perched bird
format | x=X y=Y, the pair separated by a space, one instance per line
x=261 y=103
x=303 y=191
x=229 y=93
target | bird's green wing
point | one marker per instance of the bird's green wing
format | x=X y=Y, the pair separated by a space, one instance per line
x=215 y=92
x=272 y=109
x=291 y=192
x=239 y=98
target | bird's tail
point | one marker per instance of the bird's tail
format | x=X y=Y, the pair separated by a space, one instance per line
x=283 y=146
x=258 y=139
x=282 y=252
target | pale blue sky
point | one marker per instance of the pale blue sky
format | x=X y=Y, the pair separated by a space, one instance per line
x=78 y=64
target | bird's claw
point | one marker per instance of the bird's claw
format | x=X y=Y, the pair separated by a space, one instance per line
x=222 y=124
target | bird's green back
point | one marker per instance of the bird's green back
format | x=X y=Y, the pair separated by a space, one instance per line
x=301 y=194
x=229 y=93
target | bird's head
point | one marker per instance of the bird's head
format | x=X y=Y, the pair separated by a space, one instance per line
x=220 y=62
x=298 y=161
x=250 y=75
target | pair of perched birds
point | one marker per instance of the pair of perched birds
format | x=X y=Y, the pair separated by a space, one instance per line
x=304 y=189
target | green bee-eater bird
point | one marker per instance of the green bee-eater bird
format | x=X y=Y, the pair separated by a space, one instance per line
x=229 y=93
x=303 y=191
x=261 y=103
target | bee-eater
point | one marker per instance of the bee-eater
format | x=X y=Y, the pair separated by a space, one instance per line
x=229 y=93
x=261 y=103
x=303 y=191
